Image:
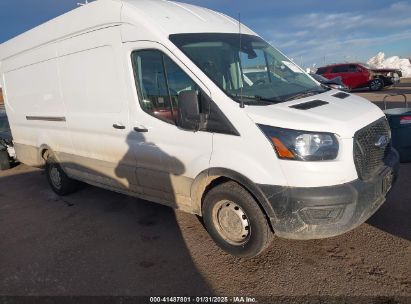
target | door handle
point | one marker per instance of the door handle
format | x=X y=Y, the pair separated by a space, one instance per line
x=118 y=126
x=140 y=129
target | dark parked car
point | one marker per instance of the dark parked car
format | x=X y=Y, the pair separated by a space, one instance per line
x=360 y=75
x=7 y=153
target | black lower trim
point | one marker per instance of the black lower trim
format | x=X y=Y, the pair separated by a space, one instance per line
x=313 y=213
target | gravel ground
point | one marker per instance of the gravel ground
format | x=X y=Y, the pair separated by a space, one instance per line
x=96 y=242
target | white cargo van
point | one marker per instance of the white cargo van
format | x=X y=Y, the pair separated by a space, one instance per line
x=171 y=103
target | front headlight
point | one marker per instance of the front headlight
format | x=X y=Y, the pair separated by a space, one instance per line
x=302 y=145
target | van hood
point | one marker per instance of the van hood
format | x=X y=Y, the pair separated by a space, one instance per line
x=341 y=116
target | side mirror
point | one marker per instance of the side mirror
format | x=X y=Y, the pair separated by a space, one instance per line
x=336 y=80
x=189 y=117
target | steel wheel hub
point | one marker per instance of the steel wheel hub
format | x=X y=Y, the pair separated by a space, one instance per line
x=231 y=221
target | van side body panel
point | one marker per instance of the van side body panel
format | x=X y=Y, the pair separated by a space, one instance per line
x=31 y=77
x=92 y=82
x=34 y=103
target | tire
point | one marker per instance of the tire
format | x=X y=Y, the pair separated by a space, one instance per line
x=235 y=221
x=4 y=160
x=60 y=183
x=376 y=84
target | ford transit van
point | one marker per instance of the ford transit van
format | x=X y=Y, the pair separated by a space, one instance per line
x=185 y=107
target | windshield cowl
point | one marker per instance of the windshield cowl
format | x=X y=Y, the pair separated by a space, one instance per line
x=254 y=100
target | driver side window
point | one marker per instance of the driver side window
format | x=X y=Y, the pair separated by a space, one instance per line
x=159 y=81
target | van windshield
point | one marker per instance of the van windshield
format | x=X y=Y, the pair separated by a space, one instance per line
x=250 y=69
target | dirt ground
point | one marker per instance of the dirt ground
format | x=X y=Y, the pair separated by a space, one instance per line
x=96 y=242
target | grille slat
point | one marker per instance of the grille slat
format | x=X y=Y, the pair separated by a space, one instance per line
x=369 y=158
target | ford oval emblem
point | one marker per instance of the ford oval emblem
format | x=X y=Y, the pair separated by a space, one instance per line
x=382 y=141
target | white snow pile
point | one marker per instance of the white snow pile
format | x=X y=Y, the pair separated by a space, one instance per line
x=394 y=62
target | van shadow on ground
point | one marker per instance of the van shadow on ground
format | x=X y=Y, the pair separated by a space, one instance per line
x=93 y=242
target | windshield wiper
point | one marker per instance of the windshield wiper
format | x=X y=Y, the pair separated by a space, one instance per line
x=271 y=99
x=256 y=98
x=304 y=94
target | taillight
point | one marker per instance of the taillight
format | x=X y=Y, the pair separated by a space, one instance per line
x=404 y=120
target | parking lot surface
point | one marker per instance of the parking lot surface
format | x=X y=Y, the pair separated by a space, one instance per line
x=96 y=242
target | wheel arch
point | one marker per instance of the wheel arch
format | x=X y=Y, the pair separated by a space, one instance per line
x=208 y=179
x=44 y=152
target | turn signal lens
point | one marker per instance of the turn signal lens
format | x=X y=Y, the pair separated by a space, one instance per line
x=281 y=149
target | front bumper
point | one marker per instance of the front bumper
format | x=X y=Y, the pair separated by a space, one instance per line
x=320 y=212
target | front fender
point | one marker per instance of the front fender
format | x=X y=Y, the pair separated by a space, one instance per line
x=205 y=178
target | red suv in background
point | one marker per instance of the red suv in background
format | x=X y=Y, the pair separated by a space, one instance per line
x=359 y=75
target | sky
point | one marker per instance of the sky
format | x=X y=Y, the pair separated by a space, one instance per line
x=309 y=31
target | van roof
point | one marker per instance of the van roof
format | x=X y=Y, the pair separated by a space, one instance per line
x=177 y=17
x=160 y=16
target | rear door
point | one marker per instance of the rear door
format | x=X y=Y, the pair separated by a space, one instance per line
x=363 y=76
x=168 y=157
x=354 y=76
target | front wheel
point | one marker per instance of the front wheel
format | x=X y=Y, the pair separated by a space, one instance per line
x=376 y=84
x=58 y=179
x=234 y=220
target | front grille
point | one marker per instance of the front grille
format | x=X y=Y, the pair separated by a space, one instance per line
x=368 y=157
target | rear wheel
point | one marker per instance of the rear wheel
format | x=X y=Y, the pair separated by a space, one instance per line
x=376 y=84
x=4 y=160
x=234 y=220
x=58 y=179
